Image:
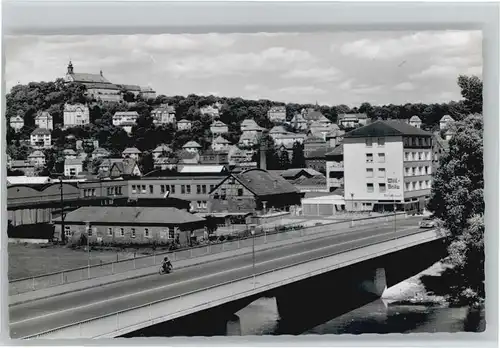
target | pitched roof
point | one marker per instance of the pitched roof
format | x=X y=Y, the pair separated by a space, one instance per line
x=184 y=121
x=86 y=78
x=218 y=123
x=446 y=118
x=221 y=140
x=203 y=168
x=386 y=128
x=125 y=166
x=316 y=180
x=315 y=116
x=36 y=153
x=130 y=87
x=73 y=161
x=191 y=143
x=100 y=150
x=358 y=116
x=73 y=107
x=278 y=130
x=126 y=113
x=415 y=118
x=131 y=150
x=262 y=183
x=165 y=107
x=337 y=151
x=132 y=215
x=40 y=131
x=162 y=148
x=41 y=114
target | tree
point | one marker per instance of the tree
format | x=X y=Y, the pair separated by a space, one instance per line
x=457 y=200
x=298 y=159
x=472 y=92
x=284 y=160
x=146 y=163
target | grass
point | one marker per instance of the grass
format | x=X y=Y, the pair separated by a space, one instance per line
x=26 y=260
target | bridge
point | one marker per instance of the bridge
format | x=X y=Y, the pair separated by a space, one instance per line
x=229 y=284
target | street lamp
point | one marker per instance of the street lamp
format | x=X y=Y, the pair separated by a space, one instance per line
x=352 y=207
x=252 y=231
x=63 y=236
x=88 y=227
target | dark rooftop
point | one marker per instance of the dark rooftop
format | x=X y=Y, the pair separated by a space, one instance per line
x=262 y=183
x=386 y=128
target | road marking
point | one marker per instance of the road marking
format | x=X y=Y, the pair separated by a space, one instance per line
x=202 y=277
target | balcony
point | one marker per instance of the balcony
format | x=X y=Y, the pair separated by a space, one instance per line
x=335 y=182
x=336 y=166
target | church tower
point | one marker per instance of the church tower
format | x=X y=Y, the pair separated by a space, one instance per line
x=70 y=68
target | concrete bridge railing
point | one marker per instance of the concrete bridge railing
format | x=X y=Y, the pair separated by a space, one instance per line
x=124 y=321
x=263 y=236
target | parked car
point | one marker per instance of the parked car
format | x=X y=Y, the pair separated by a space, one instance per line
x=428 y=222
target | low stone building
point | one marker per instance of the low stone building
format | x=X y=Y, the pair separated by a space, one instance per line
x=135 y=225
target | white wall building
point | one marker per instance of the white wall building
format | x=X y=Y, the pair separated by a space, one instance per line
x=17 y=122
x=37 y=158
x=445 y=122
x=220 y=144
x=44 y=120
x=41 y=138
x=184 y=124
x=415 y=121
x=277 y=114
x=218 y=127
x=125 y=117
x=387 y=163
x=132 y=152
x=76 y=115
x=352 y=120
x=210 y=110
x=72 y=167
x=165 y=114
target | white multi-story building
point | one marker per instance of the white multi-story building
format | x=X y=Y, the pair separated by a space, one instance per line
x=352 y=120
x=165 y=114
x=76 y=115
x=44 y=120
x=124 y=117
x=277 y=114
x=192 y=146
x=17 y=122
x=288 y=139
x=298 y=122
x=37 y=158
x=445 y=122
x=335 y=168
x=218 y=127
x=415 y=121
x=387 y=164
x=221 y=144
x=131 y=152
x=41 y=138
x=73 y=167
x=210 y=110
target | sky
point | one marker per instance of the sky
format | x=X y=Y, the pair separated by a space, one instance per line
x=330 y=68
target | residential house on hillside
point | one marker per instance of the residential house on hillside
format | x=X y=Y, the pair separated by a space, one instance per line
x=277 y=114
x=24 y=166
x=44 y=120
x=41 y=138
x=69 y=154
x=218 y=127
x=313 y=143
x=316 y=116
x=317 y=159
x=166 y=163
x=119 y=167
x=445 y=122
x=72 y=167
x=125 y=120
x=76 y=115
x=210 y=110
x=148 y=93
x=192 y=146
x=138 y=225
x=100 y=152
x=277 y=130
x=334 y=137
x=335 y=168
x=164 y=114
x=298 y=122
x=236 y=155
x=248 y=139
x=289 y=139
x=249 y=125
x=132 y=152
x=161 y=150
x=220 y=144
x=184 y=124
x=16 y=123
x=352 y=120
x=320 y=130
x=387 y=164
x=37 y=158
x=188 y=157
x=316 y=183
x=253 y=190
x=415 y=121
x=210 y=157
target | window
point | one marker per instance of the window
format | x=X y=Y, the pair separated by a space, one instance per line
x=381 y=157
x=143 y=189
x=369 y=187
x=118 y=190
x=134 y=189
x=369 y=158
x=204 y=189
x=381 y=142
x=407 y=185
x=204 y=204
x=122 y=232
x=368 y=142
x=188 y=189
x=381 y=188
x=89 y=231
x=199 y=204
x=93 y=192
x=413 y=171
x=132 y=232
x=369 y=172
x=172 y=188
x=151 y=190
x=420 y=156
x=171 y=233
x=428 y=183
x=146 y=232
x=183 y=189
x=223 y=193
x=413 y=185
x=381 y=172
x=212 y=187
x=198 y=189
x=406 y=156
x=67 y=231
x=162 y=188
x=110 y=231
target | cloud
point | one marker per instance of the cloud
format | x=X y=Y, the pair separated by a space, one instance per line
x=309 y=90
x=319 y=74
x=252 y=87
x=404 y=86
x=446 y=71
x=408 y=45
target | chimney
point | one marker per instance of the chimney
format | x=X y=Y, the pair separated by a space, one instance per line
x=263 y=159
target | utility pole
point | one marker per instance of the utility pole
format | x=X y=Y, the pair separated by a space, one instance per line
x=63 y=235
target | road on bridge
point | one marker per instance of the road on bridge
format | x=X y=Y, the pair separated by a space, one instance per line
x=45 y=314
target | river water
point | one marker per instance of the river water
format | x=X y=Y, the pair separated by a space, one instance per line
x=403 y=308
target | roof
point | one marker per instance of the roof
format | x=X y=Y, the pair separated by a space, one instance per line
x=386 y=128
x=165 y=107
x=85 y=78
x=131 y=87
x=125 y=166
x=41 y=131
x=250 y=124
x=262 y=183
x=337 y=151
x=315 y=115
x=221 y=140
x=447 y=118
x=290 y=173
x=28 y=180
x=36 y=153
x=318 y=153
x=132 y=215
x=100 y=150
x=69 y=152
x=218 y=123
x=201 y=169
x=191 y=143
x=131 y=150
x=317 y=180
x=20 y=163
x=314 y=139
x=43 y=114
x=73 y=107
x=184 y=121
x=358 y=116
x=126 y=113
x=415 y=118
x=332 y=199
x=162 y=148
x=278 y=129
x=73 y=161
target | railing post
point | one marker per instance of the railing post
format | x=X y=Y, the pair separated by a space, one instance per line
x=238 y=243
x=33 y=283
x=154 y=257
x=208 y=249
x=117 y=322
x=134 y=260
x=112 y=268
x=173 y=255
x=223 y=243
x=190 y=252
x=80 y=329
x=62 y=277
